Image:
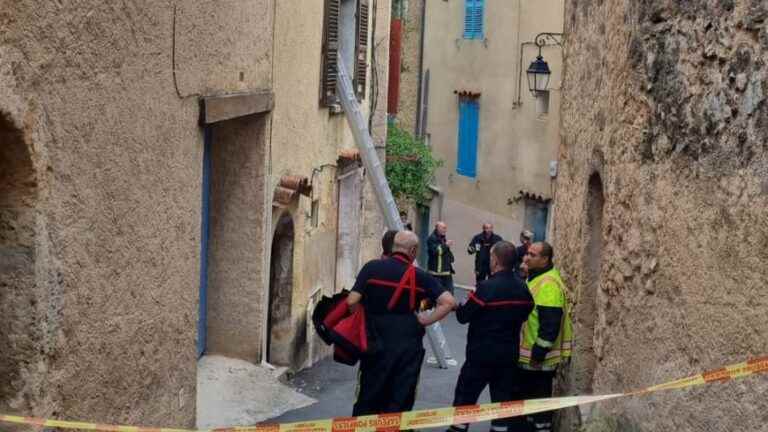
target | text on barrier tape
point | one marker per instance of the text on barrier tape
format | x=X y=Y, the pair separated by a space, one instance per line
x=429 y=417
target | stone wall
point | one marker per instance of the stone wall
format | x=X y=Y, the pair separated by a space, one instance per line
x=407 y=110
x=661 y=227
x=100 y=222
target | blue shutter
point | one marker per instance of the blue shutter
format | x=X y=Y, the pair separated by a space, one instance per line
x=473 y=19
x=469 y=116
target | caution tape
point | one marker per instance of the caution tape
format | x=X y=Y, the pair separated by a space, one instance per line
x=430 y=417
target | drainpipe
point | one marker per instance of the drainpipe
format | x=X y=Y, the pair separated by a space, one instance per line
x=420 y=128
x=395 y=48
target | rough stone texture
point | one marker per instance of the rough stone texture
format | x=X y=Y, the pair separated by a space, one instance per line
x=107 y=268
x=236 y=238
x=664 y=110
x=410 y=68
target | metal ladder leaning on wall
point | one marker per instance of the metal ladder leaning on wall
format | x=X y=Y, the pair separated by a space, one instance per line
x=381 y=188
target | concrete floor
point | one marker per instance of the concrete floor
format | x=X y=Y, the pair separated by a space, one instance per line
x=235 y=392
x=333 y=384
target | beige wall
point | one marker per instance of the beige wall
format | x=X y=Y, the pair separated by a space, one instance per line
x=678 y=285
x=515 y=143
x=117 y=153
x=306 y=139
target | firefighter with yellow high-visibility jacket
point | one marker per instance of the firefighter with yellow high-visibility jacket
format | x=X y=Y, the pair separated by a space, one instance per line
x=546 y=338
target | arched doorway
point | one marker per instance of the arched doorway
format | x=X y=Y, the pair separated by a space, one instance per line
x=280 y=293
x=18 y=193
x=587 y=313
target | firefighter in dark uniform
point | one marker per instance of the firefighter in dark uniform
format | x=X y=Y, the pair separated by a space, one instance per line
x=480 y=246
x=387 y=243
x=440 y=256
x=495 y=312
x=390 y=290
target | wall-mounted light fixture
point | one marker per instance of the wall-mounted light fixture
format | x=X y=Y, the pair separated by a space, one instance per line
x=538 y=72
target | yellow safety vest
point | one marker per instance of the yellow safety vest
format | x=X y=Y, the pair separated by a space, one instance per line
x=547 y=289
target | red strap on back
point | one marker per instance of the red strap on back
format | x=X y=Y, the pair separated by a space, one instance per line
x=407 y=281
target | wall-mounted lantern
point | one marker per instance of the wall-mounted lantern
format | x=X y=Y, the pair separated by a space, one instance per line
x=538 y=75
x=538 y=72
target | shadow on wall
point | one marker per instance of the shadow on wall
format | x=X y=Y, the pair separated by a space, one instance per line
x=279 y=348
x=579 y=377
x=18 y=193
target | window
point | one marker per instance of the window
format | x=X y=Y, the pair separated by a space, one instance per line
x=473 y=19
x=469 y=119
x=345 y=38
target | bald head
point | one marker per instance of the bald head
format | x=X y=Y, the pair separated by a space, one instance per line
x=406 y=242
x=441 y=228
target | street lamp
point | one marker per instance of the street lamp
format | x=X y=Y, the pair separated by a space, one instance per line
x=538 y=75
x=538 y=72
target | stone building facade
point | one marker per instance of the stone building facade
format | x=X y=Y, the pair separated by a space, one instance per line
x=662 y=220
x=337 y=226
x=144 y=150
x=503 y=174
x=410 y=13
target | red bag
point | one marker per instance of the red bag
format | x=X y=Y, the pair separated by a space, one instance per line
x=347 y=331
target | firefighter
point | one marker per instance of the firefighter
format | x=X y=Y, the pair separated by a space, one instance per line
x=526 y=237
x=440 y=256
x=387 y=242
x=480 y=246
x=495 y=313
x=390 y=290
x=547 y=335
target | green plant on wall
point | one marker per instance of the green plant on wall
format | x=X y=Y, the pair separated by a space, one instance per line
x=410 y=167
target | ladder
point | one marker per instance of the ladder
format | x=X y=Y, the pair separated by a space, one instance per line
x=372 y=164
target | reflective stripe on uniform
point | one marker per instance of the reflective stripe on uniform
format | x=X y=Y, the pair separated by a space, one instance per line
x=439 y=259
x=544 y=343
x=547 y=290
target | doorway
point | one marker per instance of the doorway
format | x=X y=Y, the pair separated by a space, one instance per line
x=587 y=312
x=349 y=214
x=18 y=317
x=280 y=293
x=536 y=216
x=232 y=238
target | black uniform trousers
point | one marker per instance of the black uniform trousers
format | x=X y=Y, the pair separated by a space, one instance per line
x=504 y=382
x=537 y=385
x=388 y=380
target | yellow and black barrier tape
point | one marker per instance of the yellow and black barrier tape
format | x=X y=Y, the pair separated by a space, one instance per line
x=430 y=417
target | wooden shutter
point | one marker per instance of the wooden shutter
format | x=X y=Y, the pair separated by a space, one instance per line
x=473 y=19
x=361 y=49
x=330 y=73
x=469 y=121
